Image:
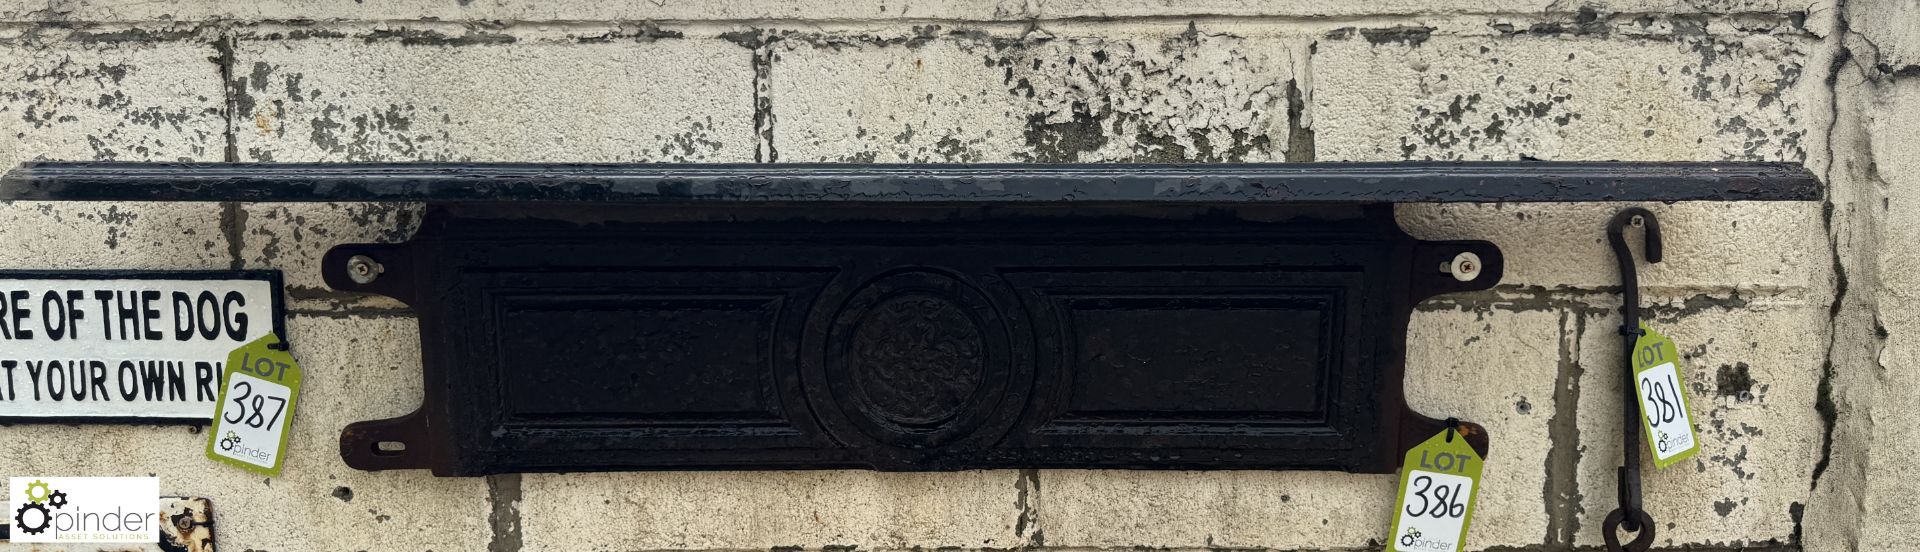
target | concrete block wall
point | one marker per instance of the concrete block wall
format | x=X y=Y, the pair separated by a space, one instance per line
x=1796 y=320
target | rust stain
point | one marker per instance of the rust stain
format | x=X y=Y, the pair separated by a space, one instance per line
x=189 y=524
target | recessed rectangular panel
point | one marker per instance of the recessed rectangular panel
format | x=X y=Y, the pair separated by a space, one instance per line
x=676 y=362
x=1196 y=360
x=638 y=357
x=1199 y=358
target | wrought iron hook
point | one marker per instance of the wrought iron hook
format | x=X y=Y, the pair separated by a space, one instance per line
x=1630 y=516
x=1629 y=277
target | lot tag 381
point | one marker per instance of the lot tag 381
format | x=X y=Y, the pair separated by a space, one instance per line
x=1663 y=399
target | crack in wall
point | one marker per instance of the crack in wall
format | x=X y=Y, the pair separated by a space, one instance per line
x=362 y=313
x=233 y=219
x=223 y=48
x=503 y=492
x=1300 y=147
x=1027 y=525
x=1604 y=299
x=763 y=119
x=233 y=223
x=1562 y=498
x=1836 y=509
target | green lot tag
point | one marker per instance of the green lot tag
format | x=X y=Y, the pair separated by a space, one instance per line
x=1438 y=482
x=256 y=405
x=1663 y=399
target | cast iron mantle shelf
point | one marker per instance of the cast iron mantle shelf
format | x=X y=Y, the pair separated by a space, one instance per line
x=1422 y=182
x=908 y=317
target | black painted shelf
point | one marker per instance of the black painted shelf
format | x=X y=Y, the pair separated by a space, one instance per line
x=1409 y=182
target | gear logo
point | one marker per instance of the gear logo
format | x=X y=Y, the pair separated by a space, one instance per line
x=1412 y=536
x=20 y=518
x=39 y=497
x=229 y=441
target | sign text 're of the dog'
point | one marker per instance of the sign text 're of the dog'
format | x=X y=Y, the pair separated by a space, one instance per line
x=125 y=344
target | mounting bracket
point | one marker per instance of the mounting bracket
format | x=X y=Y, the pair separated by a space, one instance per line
x=908 y=317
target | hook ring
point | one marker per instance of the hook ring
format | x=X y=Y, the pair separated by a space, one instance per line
x=1642 y=539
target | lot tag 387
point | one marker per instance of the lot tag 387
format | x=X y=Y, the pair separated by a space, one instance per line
x=256 y=406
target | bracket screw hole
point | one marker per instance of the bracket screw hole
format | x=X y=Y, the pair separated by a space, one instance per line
x=363 y=269
x=389 y=448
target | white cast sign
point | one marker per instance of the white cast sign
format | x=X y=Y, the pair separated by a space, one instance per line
x=125 y=345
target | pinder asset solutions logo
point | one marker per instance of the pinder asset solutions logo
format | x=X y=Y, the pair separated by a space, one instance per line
x=1414 y=540
x=84 y=509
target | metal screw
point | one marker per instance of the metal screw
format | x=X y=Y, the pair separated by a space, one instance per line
x=1638 y=221
x=1465 y=267
x=363 y=269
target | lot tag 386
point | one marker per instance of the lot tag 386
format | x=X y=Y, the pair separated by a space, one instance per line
x=1438 y=482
